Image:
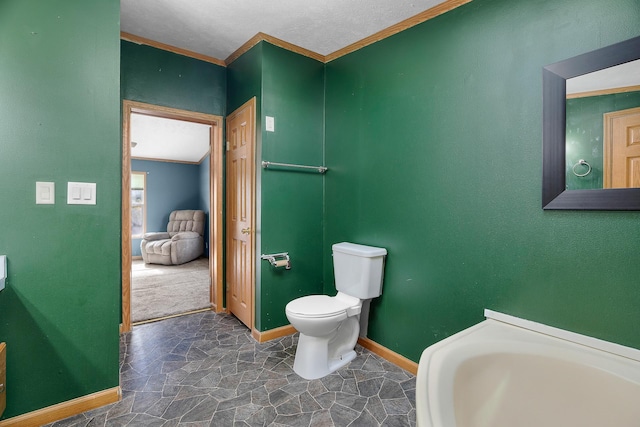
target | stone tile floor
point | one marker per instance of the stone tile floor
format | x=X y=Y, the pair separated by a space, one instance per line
x=205 y=369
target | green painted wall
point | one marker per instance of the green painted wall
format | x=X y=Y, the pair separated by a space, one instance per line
x=433 y=140
x=244 y=81
x=290 y=88
x=59 y=110
x=291 y=201
x=585 y=130
x=164 y=78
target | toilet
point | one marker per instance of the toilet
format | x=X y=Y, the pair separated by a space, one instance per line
x=329 y=326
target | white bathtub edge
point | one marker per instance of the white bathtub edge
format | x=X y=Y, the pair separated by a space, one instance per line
x=617 y=349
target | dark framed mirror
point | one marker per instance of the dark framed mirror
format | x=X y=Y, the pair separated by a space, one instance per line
x=555 y=194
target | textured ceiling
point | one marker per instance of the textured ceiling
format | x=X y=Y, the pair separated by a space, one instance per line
x=157 y=138
x=218 y=28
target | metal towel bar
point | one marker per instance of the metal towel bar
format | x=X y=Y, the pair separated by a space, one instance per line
x=320 y=169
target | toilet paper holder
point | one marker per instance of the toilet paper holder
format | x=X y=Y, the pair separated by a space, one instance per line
x=278 y=260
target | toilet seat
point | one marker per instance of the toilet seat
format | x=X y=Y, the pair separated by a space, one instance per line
x=318 y=306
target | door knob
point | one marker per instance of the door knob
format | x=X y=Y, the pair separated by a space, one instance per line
x=246 y=230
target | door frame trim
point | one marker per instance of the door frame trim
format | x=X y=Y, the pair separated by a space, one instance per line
x=216 y=209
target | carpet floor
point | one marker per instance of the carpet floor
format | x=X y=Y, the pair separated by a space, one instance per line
x=159 y=291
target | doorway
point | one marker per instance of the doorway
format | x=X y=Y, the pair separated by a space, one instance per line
x=241 y=171
x=214 y=236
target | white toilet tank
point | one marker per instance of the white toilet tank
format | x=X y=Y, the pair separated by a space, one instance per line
x=358 y=269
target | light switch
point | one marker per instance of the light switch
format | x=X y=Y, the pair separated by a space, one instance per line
x=86 y=193
x=3 y=271
x=269 y=124
x=45 y=193
x=81 y=193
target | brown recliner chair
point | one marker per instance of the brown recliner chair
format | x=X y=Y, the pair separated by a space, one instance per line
x=183 y=241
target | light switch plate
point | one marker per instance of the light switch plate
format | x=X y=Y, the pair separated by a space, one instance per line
x=269 y=124
x=3 y=271
x=45 y=193
x=81 y=193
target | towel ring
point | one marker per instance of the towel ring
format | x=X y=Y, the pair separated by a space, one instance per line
x=582 y=162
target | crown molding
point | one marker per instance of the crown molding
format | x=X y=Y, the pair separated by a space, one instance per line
x=148 y=42
x=275 y=41
x=397 y=28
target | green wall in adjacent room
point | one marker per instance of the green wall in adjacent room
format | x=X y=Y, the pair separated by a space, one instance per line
x=290 y=88
x=59 y=109
x=585 y=130
x=433 y=140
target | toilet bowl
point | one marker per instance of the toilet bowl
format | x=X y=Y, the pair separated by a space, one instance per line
x=329 y=326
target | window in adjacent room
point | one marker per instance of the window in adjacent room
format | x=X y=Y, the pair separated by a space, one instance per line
x=138 y=210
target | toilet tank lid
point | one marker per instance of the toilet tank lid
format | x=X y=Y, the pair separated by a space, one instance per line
x=359 y=250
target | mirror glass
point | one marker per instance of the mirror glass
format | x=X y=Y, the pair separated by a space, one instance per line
x=611 y=95
x=580 y=158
